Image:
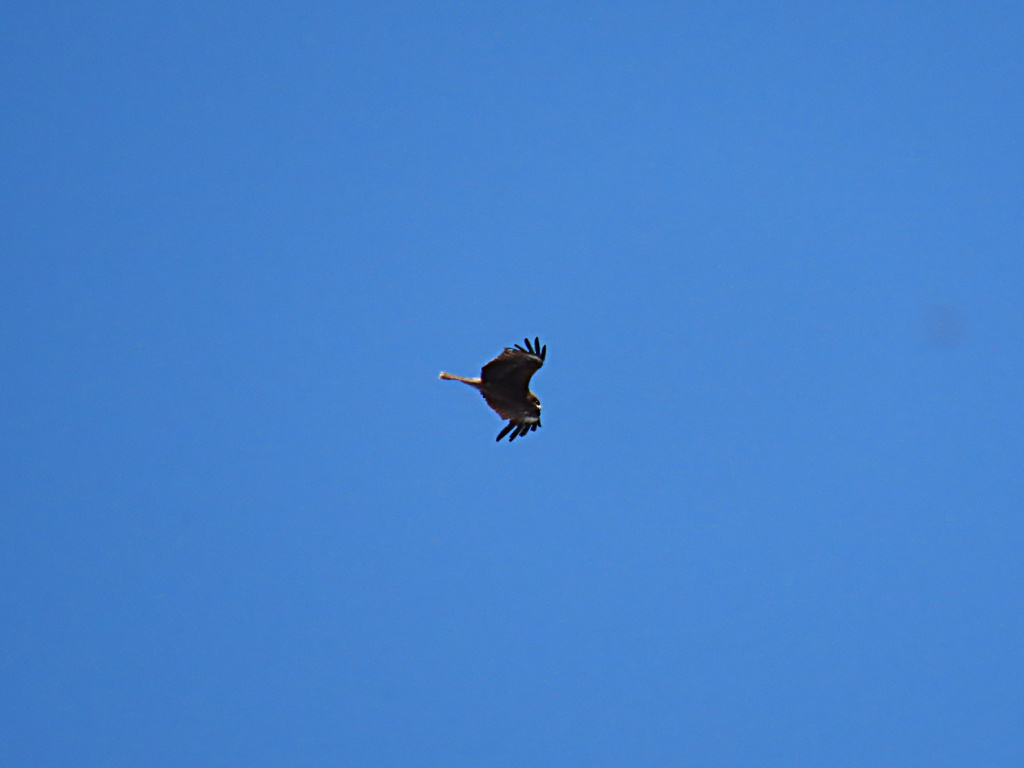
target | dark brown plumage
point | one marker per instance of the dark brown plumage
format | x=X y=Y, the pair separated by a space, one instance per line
x=505 y=384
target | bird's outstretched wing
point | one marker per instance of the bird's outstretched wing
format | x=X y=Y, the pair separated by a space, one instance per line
x=514 y=367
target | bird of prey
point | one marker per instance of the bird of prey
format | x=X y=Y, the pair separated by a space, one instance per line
x=505 y=384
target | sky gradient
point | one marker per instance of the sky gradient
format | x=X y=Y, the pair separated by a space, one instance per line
x=774 y=514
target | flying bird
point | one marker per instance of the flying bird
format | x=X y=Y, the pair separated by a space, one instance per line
x=505 y=384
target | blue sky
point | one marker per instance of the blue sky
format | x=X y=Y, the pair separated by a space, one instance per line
x=774 y=516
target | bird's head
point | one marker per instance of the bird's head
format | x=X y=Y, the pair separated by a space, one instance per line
x=534 y=400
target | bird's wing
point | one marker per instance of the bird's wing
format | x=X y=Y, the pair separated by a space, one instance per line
x=515 y=407
x=512 y=370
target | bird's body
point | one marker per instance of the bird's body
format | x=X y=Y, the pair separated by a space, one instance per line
x=505 y=384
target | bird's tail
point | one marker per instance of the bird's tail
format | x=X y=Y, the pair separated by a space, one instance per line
x=463 y=379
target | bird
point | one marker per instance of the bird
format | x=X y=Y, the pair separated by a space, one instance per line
x=505 y=384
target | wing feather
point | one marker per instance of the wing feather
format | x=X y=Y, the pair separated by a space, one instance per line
x=505 y=431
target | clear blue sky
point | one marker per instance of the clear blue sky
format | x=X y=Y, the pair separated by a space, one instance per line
x=775 y=516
